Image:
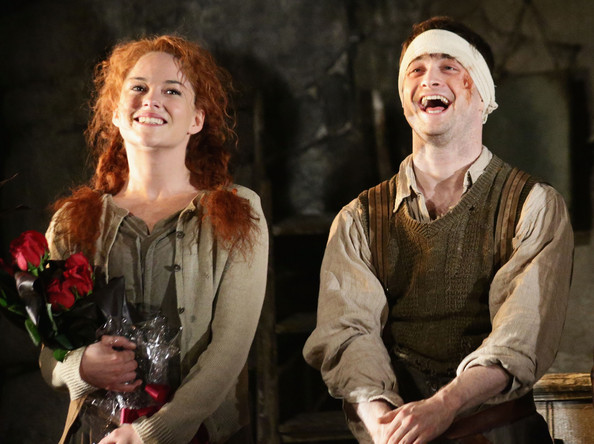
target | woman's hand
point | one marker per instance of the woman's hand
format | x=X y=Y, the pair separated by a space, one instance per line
x=110 y=369
x=125 y=434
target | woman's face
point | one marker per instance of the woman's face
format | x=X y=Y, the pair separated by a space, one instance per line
x=156 y=107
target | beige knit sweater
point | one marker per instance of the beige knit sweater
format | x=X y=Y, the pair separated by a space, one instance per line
x=219 y=296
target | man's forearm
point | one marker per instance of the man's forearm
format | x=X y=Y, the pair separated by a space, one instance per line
x=370 y=413
x=433 y=415
x=372 y=410
x=473 y=387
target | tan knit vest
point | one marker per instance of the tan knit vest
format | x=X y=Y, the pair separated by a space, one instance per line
x=439 y=273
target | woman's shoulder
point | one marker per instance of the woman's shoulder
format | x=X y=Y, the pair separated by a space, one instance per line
x=75 y=224
x=81 y=205
x=245 y=192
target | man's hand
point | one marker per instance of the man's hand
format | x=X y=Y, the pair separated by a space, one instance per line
x=419 y=422
x=106 y=367
x=125 y=434
x=416 y=422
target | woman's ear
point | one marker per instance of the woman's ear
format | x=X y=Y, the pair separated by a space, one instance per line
x=115 y=118
x=197 y=122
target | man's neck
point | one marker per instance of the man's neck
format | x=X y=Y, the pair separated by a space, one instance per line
x=441 y=158
x=440 y=170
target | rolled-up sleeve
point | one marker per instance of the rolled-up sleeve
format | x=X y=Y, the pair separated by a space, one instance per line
x=528 y=296
x=346 y=345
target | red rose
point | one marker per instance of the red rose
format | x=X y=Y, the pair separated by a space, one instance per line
x=78 y=274
x=59 y=295
x=29 y=249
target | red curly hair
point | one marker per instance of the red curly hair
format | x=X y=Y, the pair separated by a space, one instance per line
x=207 y=156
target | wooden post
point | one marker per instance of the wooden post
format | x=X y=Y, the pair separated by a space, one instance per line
x=266 y=373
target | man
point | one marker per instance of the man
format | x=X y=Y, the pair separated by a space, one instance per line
x=443 y=291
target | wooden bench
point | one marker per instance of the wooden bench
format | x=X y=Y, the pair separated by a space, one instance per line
x=565 y=401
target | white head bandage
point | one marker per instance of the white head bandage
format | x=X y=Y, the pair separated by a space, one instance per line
x=439 y=41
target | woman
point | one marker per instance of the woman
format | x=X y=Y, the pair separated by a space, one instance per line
x=163 y=213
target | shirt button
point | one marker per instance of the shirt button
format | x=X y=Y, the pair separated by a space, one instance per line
x=180 y=234
x=176 y=267
x=180 y=310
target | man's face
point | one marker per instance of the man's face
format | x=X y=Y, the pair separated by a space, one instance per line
x=440 y=99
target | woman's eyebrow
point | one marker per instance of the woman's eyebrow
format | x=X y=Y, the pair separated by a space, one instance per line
x=143 y=79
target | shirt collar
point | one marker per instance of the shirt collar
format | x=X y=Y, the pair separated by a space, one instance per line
x=406 y=185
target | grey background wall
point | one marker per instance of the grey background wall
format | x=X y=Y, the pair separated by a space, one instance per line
x=313 y=63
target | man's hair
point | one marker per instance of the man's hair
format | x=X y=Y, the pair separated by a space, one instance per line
x=449 y=24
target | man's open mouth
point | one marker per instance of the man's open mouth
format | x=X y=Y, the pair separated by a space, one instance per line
x=434 y=104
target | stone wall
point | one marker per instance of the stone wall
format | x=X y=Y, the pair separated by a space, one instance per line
x=314 y=63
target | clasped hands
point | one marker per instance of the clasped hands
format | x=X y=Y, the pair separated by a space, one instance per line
x=413 y=423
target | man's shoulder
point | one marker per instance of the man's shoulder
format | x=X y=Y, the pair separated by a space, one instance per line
x=382 y=190
x=514 y=170
x=518 y=183
x=375 y=205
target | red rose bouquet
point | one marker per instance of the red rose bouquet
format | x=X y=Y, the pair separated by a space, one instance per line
x=62 y=302
x=67 y=304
